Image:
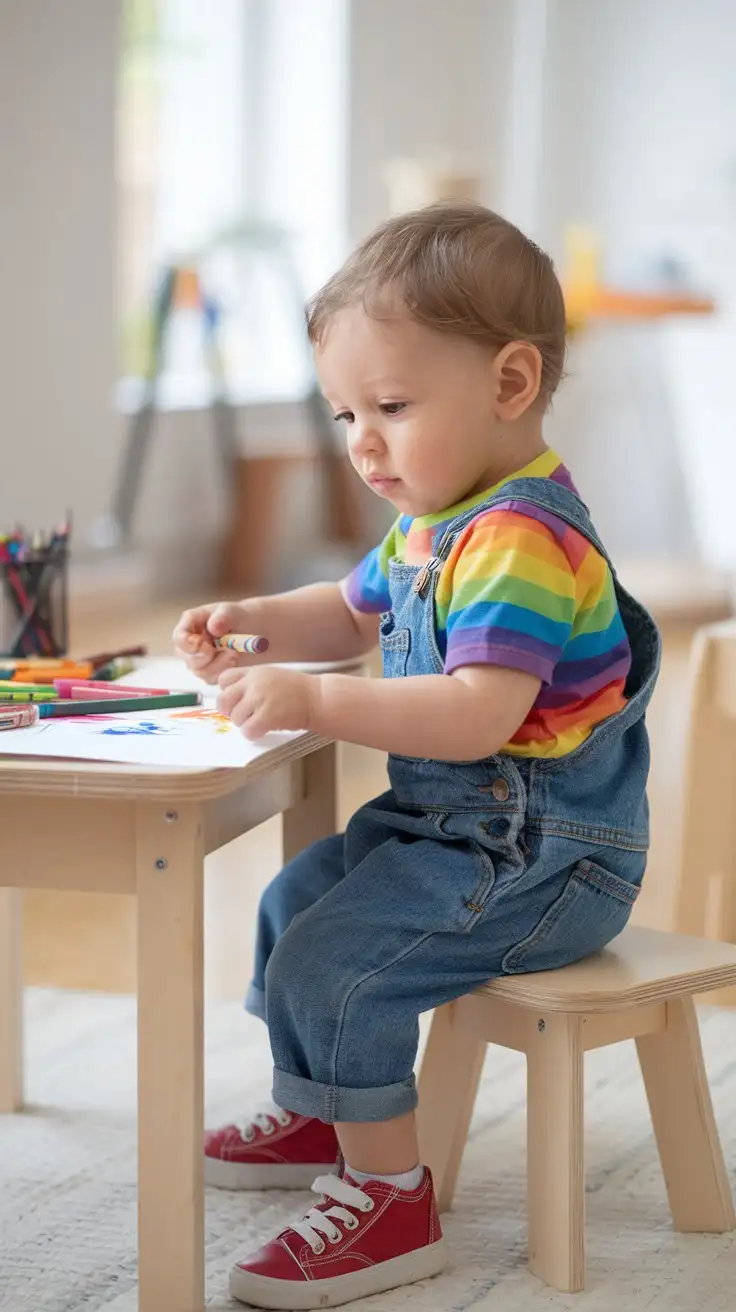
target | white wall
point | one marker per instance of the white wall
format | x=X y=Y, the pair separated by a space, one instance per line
x=640 y=124
x=426 y=76
x=58 y=324
x=639 y=140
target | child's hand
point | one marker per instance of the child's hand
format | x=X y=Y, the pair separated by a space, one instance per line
x=194 y=638
x=266 y=698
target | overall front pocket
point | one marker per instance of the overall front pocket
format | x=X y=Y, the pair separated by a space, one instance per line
x=594 y=906
x=395 y=647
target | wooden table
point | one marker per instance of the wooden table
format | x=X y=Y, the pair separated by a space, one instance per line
x=129 y=829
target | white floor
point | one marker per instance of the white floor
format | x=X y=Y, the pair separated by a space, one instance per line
x=67 y=1178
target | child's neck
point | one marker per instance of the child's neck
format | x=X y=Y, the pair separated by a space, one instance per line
x=514 y=448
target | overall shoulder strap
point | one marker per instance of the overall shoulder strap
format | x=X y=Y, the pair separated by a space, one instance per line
x=550 y=496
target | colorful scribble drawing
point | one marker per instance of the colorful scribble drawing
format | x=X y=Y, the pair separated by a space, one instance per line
x=148 y=728
x=203 y=715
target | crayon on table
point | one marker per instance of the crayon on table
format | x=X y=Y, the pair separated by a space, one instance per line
x=17 y=717
x=244 y=642
x=115 y=706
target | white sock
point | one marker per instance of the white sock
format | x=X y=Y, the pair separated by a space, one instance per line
x=405 y=1180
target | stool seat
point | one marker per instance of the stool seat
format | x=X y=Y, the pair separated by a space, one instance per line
x=640 y=966
x=640 y=987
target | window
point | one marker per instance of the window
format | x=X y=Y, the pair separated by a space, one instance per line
x=232 y=155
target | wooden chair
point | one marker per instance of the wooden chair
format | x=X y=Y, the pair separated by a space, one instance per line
x=706 y=888
x=641 y=988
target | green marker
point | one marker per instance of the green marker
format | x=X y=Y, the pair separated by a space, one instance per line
x=25 y=695
x=15 y=685
x=115 y=706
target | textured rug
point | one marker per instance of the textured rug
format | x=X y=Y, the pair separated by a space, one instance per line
x=68 y=1188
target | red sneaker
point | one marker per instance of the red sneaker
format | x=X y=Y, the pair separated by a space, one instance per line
x=358 y=1240
x=274 y=1150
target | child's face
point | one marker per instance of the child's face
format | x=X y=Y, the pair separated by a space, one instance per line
x=419 y=407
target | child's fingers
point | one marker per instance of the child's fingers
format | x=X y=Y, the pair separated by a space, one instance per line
x=231 y=697
x=191 y=627
x=231 y=675
x=225 y=618
x=254 y=727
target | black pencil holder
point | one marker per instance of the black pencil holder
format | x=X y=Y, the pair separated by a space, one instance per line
x=34 y=609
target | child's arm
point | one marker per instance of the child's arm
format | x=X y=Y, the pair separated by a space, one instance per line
x=314 y=623
x=459 y=717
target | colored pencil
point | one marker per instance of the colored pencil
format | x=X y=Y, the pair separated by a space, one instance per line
x=113 y=706
x=244 y=642
x=67 y=688
x=17 y=717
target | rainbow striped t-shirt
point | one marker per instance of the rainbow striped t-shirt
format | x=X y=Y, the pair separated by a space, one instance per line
x=521 y=589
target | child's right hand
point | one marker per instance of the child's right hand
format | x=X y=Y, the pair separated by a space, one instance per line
x=194 y=638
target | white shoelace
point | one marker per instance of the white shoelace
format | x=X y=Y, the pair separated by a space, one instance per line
x=263 y=1119
x=317 y=1223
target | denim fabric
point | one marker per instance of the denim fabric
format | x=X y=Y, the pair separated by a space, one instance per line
x=459 y=873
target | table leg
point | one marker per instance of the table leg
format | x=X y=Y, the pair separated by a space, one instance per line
x=11 y=1001
x=169 y=861
x=315 y=816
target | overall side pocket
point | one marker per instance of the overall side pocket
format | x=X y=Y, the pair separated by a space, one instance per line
x=593 y=907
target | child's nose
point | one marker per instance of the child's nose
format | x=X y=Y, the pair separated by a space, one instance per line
x=364 y=438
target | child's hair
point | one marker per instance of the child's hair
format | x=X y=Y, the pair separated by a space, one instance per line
x=458 y=268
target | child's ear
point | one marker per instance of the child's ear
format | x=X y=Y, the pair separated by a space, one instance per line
x=518 y=374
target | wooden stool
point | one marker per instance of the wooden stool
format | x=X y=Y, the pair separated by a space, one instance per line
x=639 y=988
x=706 y=887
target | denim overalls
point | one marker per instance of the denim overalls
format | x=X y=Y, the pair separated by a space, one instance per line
x=460 y=872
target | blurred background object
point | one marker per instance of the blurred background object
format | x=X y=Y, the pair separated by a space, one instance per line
x=251 y=143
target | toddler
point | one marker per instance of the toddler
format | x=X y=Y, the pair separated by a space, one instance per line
x=517 y=672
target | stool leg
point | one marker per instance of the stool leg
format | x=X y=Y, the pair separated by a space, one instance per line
x=448 y=1083
x=555 y=1164
x=684 y=1125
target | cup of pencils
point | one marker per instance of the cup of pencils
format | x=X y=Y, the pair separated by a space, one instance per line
x=34 y=610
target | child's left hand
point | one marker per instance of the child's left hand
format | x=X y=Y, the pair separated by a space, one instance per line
x=265 y=698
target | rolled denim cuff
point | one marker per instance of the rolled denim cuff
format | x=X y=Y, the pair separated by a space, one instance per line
x=331 y=1102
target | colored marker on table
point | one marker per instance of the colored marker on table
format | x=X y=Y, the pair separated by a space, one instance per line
x=14 y=685
x=104 y=657
x=10 y=695
x=17 y=717
x=114 y=692
x=115 y=706
x=42 y=670
x=98 y=687
x=244 y=642
x=117 y=668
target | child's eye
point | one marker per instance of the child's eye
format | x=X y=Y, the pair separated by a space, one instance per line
x=347 y=415
x=393 y=407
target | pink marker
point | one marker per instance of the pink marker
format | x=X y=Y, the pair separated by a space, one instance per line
x=68 y=688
